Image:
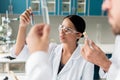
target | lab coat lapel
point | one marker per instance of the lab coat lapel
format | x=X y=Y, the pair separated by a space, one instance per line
x=74 y=57
x=57 y=59
x=66 y=67
x=115 y=57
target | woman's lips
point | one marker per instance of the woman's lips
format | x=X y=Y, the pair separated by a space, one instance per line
x=62 y=37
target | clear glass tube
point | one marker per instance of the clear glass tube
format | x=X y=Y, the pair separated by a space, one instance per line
x=10 y=7
x=32 y=19
x=98 y=33
x=45 y=13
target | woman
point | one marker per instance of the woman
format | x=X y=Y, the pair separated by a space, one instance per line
x=67 y=62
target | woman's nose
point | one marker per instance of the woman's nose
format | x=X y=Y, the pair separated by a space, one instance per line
x=62 y=31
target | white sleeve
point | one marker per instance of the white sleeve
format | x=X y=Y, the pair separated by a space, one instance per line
x=38 y=67
x=118 y=76
x=111 y=74
x=52 y=46
x=88 y=72
x=102 y=73
x=24 y=54
x=51 y=50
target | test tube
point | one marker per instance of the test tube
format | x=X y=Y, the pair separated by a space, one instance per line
x=7 y=15
x=45 y=13
x=32 y=18
x=7 y=18
x=86 y=37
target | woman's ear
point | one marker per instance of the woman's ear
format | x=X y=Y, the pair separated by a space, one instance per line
x=79 y=35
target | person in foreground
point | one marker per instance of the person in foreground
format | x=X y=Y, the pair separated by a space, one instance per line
x=38 y=66
x=95 y=54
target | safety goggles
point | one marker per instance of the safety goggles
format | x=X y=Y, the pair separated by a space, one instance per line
x=67 y=30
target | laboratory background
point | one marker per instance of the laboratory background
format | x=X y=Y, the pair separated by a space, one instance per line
x=97 y=27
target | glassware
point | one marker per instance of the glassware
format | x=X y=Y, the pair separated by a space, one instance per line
x=10 y=7
x=8 y=33
x=5 y=34
x=98 y=33
x=45 y=13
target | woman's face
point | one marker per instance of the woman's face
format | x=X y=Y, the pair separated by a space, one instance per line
x=67 y=32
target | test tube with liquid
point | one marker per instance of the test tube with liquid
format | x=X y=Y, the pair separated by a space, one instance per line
x=32 y=17
x=45 y=13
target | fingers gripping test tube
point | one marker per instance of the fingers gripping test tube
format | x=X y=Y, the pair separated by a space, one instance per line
x=32 y=21
x=45 y=13
x=86 y=37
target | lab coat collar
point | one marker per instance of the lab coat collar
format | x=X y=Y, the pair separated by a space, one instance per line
x=117 y=40
x=57 y=60
x=75 y=56
x=116 y=51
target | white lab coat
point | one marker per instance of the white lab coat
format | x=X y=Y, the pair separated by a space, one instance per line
x=77 y=68
x=115 y=66
x=118 y=76
x=38 y=67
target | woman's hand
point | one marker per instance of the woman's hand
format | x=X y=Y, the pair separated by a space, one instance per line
x=25 y=18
